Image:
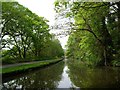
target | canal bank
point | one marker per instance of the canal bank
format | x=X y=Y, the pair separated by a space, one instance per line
x=21 y=68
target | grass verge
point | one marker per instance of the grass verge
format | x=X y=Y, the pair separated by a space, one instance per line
x=23 y=68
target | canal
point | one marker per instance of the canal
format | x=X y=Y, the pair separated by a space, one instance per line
x=64 y=75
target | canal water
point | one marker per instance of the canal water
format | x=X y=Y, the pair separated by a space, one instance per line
x=62 y=75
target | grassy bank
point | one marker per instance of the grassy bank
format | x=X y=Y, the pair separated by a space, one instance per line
x=27 y=67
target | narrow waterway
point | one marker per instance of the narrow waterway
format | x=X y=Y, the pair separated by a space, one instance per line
x=63 y=75
x=65 y=81
x=54 y=76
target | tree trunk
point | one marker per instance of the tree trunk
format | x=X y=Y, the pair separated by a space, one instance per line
x=107 y=42
x=118 y=15
x=24 y=52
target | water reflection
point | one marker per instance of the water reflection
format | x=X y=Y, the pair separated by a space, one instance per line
x=94 y=77
x=71 y=77
x=65 y=81
x=45 y=78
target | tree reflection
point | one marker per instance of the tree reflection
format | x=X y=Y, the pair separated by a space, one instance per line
x=85 y=77
x=44 y=78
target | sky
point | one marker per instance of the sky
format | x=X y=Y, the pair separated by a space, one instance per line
x=44 y=8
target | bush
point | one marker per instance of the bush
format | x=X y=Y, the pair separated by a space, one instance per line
x=116 y=63
x=8 y=60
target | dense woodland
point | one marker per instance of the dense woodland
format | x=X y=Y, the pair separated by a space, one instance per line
x=25 y=36
x=95 y=31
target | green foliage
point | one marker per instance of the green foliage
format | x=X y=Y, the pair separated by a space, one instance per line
x=94 y=39
x=26 y=35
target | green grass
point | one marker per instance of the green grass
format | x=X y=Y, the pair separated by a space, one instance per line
x=26 y=67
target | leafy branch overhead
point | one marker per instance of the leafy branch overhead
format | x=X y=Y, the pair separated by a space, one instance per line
x=95 y=29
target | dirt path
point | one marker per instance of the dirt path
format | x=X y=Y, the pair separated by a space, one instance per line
x=19 y=64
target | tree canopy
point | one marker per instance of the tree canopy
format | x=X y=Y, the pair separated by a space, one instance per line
x=25 y=35
x=95 y=37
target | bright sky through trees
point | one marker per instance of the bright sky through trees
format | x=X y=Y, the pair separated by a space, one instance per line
x=43 y=8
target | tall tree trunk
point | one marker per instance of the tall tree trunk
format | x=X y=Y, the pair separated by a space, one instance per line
x=24 y=52
x=118 y=15
x=18 y=48
x=118 y=24
x=107 y=42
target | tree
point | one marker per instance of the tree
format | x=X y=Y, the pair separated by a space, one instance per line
x=92 y=20
x=24 y=33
